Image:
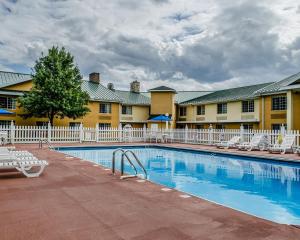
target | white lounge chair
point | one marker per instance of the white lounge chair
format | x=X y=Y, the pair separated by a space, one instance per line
x=5 y=151
x=233 y=142
x=30 y=166
x=258 y=142
x=286 y=145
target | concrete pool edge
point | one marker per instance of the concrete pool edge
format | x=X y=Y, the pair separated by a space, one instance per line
x=271 y=157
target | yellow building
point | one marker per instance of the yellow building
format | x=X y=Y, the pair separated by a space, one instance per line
x=105 y=104
x=260 y=106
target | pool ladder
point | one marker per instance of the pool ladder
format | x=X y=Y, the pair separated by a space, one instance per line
x=125 y=154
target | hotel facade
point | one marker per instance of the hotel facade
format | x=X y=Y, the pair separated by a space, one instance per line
x=261 y=106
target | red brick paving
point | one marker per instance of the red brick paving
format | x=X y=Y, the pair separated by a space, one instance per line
x=75 y=200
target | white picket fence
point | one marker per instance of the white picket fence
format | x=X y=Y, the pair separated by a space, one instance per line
x=33 y=134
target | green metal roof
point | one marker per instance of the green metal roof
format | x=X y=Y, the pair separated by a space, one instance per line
x=11 y=78
x=98 y=92
x=131 y=98
x=278 y=86
x=162 y=89
x=228 y=95
x=184 y=96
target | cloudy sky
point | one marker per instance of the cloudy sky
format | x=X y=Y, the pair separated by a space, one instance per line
x=185 y=44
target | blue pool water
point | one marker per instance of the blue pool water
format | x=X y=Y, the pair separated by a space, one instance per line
x=263 y=188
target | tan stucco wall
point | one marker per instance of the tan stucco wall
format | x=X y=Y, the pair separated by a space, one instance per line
x=268 y=119
x=162 y=102
x=296 y=111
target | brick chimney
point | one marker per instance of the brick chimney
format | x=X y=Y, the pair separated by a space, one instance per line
x=135 y=87
x=110 y=86
x=94 y=77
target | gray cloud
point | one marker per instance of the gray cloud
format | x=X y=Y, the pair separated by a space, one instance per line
x=184 y=44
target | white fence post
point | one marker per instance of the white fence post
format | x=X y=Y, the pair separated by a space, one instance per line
x=242 y=133
x=97 y=132
x=12 y=132
x=144 y=133
x=186 y=133
x=120 y=132
x=210 y=134
x=49 y=132
x=282 y=130
x=80 y=132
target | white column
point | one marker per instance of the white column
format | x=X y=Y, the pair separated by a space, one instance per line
x=289 y=110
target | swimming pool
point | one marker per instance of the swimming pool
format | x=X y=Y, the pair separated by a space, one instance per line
x=263 y=188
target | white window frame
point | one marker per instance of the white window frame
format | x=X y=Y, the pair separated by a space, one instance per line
x=128 y=110
x=182 y=111
x=104 y=125
x=105 y=108
x=10 y=103
x=281 y=105
x=222 y=107
x=201 y=110
x=248 y=106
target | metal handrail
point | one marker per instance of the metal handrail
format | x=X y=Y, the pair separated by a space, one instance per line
x=45 y=141
x=137 y=160
x=125 y=155
x=122 y=161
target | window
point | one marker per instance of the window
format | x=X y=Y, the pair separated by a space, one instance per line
x=42 y=124
x=105 y=108
x=279 y=103
x=220 y=126
x=277 y=127
x=248 y=106
x=8 y=103
x=127 y=110
x=182 y=111
x=74 y=124
x=104 y=125
x=248 y=126
x=199 y=126
x=201 y=110
x=222 y=108
x=5 y=122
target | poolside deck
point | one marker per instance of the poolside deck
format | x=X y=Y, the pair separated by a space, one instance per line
x=74 y=199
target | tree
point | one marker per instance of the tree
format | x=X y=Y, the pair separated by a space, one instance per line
x=56 y=90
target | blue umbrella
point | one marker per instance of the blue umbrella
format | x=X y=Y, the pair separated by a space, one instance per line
x=161 y=118
x=5 y=112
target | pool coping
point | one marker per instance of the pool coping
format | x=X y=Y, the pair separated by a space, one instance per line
x=273 y=157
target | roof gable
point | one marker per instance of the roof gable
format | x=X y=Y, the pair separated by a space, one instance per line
x=162 y=89
x=280 y=85
x=11 y=78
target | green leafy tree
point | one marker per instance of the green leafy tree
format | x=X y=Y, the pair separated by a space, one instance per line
x=56 y=91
